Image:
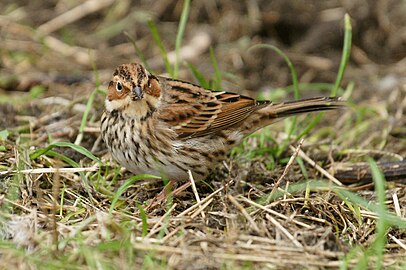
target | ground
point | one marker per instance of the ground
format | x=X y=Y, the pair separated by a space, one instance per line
x=66 y=204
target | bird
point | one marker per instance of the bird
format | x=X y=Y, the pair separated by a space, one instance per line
x=165 y=127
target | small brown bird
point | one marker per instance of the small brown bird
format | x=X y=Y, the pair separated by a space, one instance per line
x=161 y=126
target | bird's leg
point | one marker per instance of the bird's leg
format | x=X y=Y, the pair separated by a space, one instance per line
x=166 y=192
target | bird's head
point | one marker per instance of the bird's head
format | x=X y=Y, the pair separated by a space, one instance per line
x=133 y=90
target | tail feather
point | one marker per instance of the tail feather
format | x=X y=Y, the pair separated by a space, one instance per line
x=274 y=112
x=306 y=105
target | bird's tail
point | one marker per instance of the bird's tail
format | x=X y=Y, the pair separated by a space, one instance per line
x=303 y=106
x=276 y=111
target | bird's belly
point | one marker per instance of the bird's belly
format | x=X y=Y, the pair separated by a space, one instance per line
x=171 y=166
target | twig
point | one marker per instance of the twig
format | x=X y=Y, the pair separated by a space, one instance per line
x=275 y=213
x=73 y=15
x=317 y=167
x=169 y=235
x=371 y=152
x=192 y=181
x=396 y=204
x=51 y=170
x=201 y=208
x=350 y=173
x=55 y=194
x=285 y=172
x=397 y=241
x=284 y=231
x=81 y=55
x=193 y=207
x=245 y=213
x=155 y=228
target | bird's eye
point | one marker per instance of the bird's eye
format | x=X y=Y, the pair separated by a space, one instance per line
x=119 y=87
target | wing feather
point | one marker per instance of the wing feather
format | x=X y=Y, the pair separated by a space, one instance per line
x=193 y=111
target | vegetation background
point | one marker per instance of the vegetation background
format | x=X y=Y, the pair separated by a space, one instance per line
x=64 y=204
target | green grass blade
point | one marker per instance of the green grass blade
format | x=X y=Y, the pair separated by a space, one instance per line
x=346 y=54
x=89 y=106
x=310 y=126
x=80 y=149
x=126 y=185
x=391 y=218
x=179 y=36
x=139 y=53
x=295 y=80
x=377 y=249
x=217 y=73
x=4 y=134
x=302 y=166
x=199 y=76
x=157 y=38
x=382 y=225
x=64 y=158
x=144 y=220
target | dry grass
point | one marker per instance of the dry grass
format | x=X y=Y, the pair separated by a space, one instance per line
x=274 y=204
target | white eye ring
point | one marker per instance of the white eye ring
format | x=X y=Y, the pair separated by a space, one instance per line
x=119 y=86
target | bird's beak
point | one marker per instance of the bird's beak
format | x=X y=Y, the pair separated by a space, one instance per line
x=137 y=92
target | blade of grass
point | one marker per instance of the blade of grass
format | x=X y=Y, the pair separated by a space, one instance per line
x=80 y=149
x=199 y=76
x=295 y=80
x=391 y=218
x=302 y=166
x=137 y=50
x=157 y=38
x=4 y=134
x=307 y=195
x=217 y=73
x=382 y=225
x=126 y=185
x=144 y=221
x=346 y=54
x=13 y=190
x=310 y=126
x=357 y=254
x=377 y=249
x=89 y=106
x=179 y=36
x=64 y=158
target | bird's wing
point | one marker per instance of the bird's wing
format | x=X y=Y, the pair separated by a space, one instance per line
x=193 y=111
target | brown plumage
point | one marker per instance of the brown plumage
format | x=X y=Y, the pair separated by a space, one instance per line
x=161 y=126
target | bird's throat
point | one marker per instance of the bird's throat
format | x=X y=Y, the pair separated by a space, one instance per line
x=139 y=109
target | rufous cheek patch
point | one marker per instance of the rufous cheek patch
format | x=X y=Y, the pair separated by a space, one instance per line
x=111 y=93
x=154 y=89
